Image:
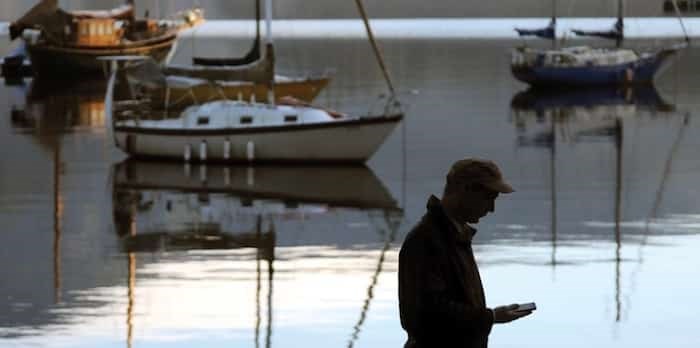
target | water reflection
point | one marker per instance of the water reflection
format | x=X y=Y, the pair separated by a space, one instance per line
x=580 y=114
x=169 y=198
x=561 y=120
x=170 y=206
x=58 y=106
x=572 y=120
x=48 y=110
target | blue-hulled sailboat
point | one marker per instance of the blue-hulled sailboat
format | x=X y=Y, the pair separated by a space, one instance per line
x=585 y=65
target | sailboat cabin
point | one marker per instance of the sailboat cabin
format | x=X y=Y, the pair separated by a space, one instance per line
x=98 y=32
x=577 y=56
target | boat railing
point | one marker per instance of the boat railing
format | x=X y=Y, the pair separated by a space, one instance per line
x=132 y=109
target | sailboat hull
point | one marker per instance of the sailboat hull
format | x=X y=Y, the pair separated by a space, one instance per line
x=351 y=141
x=642 y=71
x=66 y=61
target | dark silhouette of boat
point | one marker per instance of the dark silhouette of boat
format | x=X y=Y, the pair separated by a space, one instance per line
x=584 y=65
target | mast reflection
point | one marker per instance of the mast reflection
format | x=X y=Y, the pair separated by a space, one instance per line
x=170 y=206
x=49 y=110
x=547 y=118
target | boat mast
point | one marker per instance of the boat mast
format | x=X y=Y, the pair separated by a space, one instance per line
x=553 y=23
x=257 y=24
x=680 y=20
x=620 y=25
x=268 y=48
x=375 y=47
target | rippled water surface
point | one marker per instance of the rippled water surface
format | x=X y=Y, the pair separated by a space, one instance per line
x=602 y=233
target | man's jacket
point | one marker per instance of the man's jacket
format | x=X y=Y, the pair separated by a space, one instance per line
x=441 y=298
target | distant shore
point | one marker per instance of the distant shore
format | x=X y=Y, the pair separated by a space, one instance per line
x=437 y=28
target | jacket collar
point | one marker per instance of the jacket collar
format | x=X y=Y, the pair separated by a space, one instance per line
x=437 y=211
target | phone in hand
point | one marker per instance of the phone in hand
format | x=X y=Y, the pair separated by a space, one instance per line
x=530 y=306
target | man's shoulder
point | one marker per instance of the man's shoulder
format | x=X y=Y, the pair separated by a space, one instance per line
x=421 y=234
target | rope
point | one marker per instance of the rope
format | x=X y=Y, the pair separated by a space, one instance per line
x=377 y=52
x=680 y=20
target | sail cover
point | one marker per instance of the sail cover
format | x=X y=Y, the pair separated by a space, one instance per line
x=261 y=71
x=616 y=33
x=548 y=32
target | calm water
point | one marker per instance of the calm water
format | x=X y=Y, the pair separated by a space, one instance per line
x=602 y=232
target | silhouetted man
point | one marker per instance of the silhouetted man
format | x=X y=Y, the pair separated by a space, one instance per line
x=441 y=297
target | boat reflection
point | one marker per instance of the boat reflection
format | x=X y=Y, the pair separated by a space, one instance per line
x=170 y=206
x=48 y=111
x=580 y=113
x=169 y=198
x=558 y=119
x=60 y=106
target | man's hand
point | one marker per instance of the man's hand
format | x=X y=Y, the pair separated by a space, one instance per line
x=506 y=314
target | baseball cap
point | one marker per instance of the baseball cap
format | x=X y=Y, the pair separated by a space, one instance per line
x=476 y=170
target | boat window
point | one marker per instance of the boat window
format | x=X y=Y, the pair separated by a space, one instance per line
x=246 y=119
x=202 y=120
x=290 y=118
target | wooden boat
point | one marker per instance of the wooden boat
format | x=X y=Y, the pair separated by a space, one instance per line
x=584 y=65
x=62 y=43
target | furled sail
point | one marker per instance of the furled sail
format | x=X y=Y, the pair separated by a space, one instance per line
x=548 y=32
x=616 y=33
x=252 y=56
x=261 y=71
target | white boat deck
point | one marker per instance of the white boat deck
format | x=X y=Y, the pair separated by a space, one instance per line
x=236 y=114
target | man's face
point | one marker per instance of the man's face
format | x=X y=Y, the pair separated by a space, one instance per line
x=476 y=202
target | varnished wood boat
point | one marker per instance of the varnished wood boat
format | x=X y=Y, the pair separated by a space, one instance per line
x=63 y=43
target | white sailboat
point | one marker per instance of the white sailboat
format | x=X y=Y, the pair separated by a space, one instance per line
x=235 y=131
